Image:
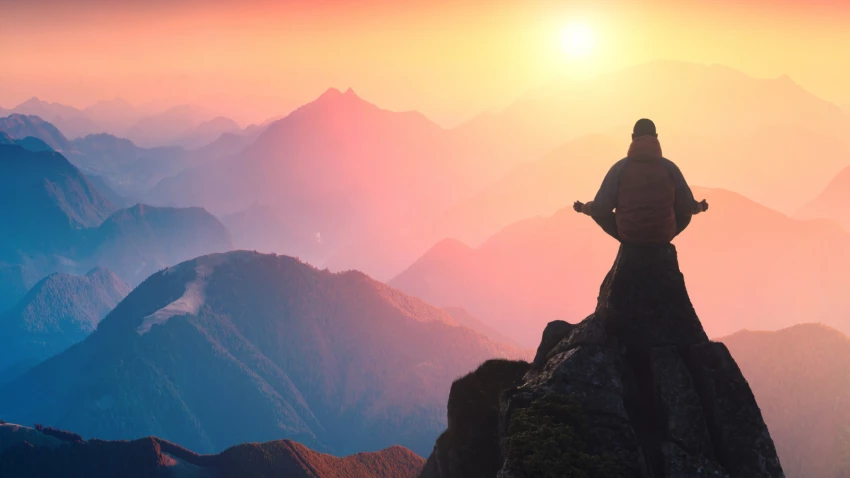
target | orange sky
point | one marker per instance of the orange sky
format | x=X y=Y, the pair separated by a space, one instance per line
x=447 y=59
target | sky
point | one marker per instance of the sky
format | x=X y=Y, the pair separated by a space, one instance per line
x=449 y=59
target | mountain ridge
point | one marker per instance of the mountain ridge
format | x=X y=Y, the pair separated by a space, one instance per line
x=288 y=351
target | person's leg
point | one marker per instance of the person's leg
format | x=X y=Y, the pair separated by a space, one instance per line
x=608 y=223
x=682 y=222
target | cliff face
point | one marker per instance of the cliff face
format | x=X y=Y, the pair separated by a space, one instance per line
x=634 y=390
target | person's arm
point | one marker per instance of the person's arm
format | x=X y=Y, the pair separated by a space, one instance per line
x=606 y=198
x=685 y=202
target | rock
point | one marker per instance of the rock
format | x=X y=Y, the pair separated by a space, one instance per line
x=634 y=390
x=554 y=332
x=679 y=464
x=743 y=443
x=470 y=446
x=679 y=403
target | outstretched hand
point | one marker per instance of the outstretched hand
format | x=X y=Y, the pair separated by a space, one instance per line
x=703 y=205
x=578 y=205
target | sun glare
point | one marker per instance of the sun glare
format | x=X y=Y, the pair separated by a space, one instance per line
x=578 y=39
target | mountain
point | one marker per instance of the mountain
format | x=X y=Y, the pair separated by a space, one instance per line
x=687 y=98
x=57 y=220
x=464 y=318
x=261 y=228
x=43 y=452
x=15 y=281
x=237 y=347
x=799 y=376
x=19 y=126
x=635 y=390
x=540 y=269
x=59 y=311
x=209 y=131
x=140 y=240
x=339 y=168
x=132 y=169
x=71 y=121
x=47 y=202
x=167 y=128
x=29 y=143
x=115 y=115
x=833 y=203
x=756 y=165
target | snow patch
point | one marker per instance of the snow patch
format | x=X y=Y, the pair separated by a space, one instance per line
x=189 y=304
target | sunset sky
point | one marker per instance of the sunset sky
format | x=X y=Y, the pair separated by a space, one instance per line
x=449 y=60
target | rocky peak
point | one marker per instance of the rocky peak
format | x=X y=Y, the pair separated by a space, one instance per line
x=634 y=390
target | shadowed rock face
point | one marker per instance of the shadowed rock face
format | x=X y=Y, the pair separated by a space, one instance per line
x=634 y=390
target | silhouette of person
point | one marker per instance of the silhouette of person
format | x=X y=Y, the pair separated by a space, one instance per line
x=644 y=198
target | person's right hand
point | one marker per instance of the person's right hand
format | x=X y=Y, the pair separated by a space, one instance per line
x=577 y=206
x=703 y=205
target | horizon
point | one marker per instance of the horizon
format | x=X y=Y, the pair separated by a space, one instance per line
x=517 y=48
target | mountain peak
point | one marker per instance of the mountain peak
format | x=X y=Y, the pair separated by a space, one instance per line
x=34 y=101
x=635 y=389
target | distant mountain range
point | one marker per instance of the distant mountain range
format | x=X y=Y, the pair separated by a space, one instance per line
x=833 y=203
x=187 y=125
x=129 y=169
x=55 y=220
x=683 y=98
x=242 y=346
x=799 y=377
x=768 y=269
x=47 y=202
x=338 y=168
x=48 y=453
x=59 y=311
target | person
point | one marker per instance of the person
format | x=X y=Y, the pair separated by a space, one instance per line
x=644 y=198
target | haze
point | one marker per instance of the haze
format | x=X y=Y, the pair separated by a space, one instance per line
x=449 y=60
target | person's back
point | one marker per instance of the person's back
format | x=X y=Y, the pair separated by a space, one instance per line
x=652 y=200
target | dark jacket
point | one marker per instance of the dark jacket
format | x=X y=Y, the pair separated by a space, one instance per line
x=649 y=194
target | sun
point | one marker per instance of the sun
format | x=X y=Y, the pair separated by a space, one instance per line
x=578 y=39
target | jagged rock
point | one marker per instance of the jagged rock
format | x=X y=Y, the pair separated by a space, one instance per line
x=679 y=464
x=634 y=390
x=470 y=446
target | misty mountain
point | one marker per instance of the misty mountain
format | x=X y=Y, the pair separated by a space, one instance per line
x=262 y=228
x=757 y=165
x=43 y=452
x=114 y=115
x=239 y=347
x=747 y=266
x=29 y=143
x=71 y=121
x=19 y=126
x=210 y=130
x=833 y=203
x=464 y=318
x=140 y=240
x=59 y=311
x=688 y=98
x=184 y=125
x=339 y=168
x=799 y=377
x=47 y=202
x=56 y=220
x=15 y=281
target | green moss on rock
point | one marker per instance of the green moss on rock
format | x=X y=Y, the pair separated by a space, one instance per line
x=549 y=439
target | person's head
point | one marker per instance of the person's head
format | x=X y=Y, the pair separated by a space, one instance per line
x=644 y=127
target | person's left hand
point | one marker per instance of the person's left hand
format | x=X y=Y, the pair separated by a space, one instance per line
x=703 y=205
x=578 y=205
